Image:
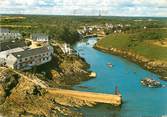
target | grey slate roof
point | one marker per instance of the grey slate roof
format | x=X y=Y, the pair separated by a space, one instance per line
x=30 y=52
x=5 y=45
x=4 y=30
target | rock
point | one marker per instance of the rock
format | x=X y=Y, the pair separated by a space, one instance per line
x=92 y=75
x=55 y=74
x=26 y=98
x=2 y=94
x=164 y=78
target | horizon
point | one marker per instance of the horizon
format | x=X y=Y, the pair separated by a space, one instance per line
x=83 y=15
x=120 y=8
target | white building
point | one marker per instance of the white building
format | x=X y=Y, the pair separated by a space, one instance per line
x=26 y=59
x=6 y=34
x=40 y=37
x=4 y=54
x=66 y=48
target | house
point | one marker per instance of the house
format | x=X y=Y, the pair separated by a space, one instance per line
x=66 y=48
x=25 y=60
x=6 y=34
x=40 y=37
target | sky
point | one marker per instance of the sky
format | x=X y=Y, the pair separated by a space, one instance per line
x=157 y=8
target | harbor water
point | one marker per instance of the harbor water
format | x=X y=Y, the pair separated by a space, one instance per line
x=138 y=101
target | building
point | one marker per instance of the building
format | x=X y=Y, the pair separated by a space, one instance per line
x=4 y=54
x=6 y=34
x=25 y=60
x=11 y=44
x=40 y=37
x=66 y=48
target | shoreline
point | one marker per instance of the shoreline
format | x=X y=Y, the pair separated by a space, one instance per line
x=155 y=66
x=20 y=89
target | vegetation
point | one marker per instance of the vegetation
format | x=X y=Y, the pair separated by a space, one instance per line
x=63 y=28
x=141 y=42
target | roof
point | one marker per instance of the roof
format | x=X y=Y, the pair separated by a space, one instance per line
x=7 y=52
x=11 y=44
x=31 y=52
x=4 y=30
x=39 y=35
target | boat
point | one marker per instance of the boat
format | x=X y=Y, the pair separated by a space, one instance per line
x=109 y=65
x=148 y=82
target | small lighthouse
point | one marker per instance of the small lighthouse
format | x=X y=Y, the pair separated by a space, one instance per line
x=117 y=91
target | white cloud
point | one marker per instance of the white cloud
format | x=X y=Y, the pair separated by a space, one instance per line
x=86 y=7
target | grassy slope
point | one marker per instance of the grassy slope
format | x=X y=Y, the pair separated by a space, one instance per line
x=144 y=48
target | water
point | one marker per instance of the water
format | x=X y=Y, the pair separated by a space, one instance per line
x=139 y=101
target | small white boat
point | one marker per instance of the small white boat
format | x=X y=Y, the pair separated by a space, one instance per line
x=109 y=65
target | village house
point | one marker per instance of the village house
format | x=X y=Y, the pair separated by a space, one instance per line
x=6 y=34
x=66 y=48
x=25 y=60
x=39 y=37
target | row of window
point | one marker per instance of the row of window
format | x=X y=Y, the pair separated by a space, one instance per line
x=35 y=57
x=10 y=34
x=32 y=62
x=7 y=37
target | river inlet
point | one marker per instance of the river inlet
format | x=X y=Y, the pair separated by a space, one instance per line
x=138 y=101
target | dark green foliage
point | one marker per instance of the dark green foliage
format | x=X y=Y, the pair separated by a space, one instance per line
x=64 y=27
x=69 y=35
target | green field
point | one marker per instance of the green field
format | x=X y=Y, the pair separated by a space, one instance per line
x=139 y=42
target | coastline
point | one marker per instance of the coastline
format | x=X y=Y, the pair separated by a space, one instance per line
x=158 y=67
x=20 y=96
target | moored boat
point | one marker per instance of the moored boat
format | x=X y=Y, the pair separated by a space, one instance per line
x=109 y=65
x=148 y=82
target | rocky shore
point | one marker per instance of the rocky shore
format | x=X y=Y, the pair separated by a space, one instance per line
x=25 y=97
x=64 y=70
x=156 y=66
x=19 y=96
